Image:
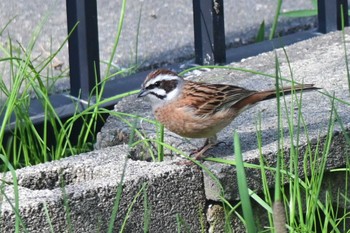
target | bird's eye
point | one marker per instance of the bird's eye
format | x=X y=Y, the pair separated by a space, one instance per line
x=154 y=85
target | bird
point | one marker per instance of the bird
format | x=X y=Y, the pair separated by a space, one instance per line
x=201 y=110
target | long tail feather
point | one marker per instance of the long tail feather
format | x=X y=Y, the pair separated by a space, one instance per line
x=270 y=94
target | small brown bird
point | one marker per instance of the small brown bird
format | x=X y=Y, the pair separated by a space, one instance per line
x=200 y=110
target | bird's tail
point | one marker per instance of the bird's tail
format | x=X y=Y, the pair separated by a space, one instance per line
x=270 y=94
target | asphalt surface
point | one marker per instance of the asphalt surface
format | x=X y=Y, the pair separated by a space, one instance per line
x=152 y=33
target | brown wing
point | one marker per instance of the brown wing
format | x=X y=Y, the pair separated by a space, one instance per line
x=206 y=99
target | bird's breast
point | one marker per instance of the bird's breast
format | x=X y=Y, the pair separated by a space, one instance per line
x=182 y=121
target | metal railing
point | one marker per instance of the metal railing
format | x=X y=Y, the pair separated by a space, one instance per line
x=84 y=61
x=209 y=36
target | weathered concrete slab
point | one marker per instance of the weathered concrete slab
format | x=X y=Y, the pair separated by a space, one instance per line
x=91 y=182
x=319 y=60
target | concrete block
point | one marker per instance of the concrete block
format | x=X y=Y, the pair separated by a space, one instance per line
x=91 y=181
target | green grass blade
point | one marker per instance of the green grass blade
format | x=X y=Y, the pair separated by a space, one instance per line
x=243 y=187
x=182 y=225
x=279 y=218
x=48 y=217
x=144 y=186
x=137 y=36
x=18 y=220
x=344 y=44
x=300 y=13
x=118 y=198
x=119 y=31
x=261 y=33
x=146 y=213
x=178 y=223
x=160 y=137
x=266 y=189
x=275 y=20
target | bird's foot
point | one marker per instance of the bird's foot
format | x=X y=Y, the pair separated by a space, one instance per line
x=198 y=154
x=185 y=163
x=209 y=144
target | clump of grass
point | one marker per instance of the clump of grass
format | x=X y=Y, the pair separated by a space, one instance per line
x=23 y=147
x=298 y=206
x=29 y=145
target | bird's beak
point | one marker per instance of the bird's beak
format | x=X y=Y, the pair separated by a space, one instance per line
x=143 y=92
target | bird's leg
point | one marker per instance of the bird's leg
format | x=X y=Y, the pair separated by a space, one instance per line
x=198 y=154
x=209 y=143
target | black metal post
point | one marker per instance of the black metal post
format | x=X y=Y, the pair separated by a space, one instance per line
x=329 y=15
x=209 y=31
x=84 y=59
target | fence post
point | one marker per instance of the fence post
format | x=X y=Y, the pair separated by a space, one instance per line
x=209 y=31
x=84 y=62
x=329 y=15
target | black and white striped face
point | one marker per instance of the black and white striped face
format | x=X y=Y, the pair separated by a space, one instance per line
x=161 y=86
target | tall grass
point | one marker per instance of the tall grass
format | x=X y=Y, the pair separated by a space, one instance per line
x=297 y=196
x=29 y=145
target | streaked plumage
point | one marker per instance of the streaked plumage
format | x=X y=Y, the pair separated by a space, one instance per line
x=200 y=110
